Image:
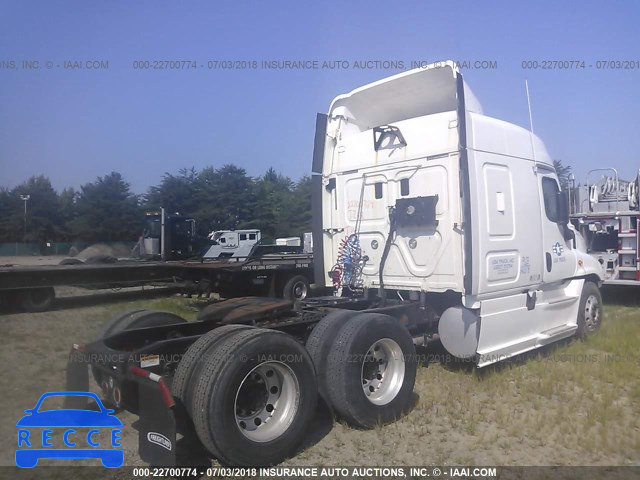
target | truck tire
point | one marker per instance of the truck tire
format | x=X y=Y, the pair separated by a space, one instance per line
x=183 y=383
x=254 y=398
x=297 y=288
x=37 y=299
x=321 y=341
x=372 y=366
x=590 y=310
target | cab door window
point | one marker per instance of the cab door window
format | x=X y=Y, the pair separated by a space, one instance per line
x=550 y=193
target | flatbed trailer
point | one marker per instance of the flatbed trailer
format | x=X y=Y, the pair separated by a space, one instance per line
x=274 y=275
x=286 y=275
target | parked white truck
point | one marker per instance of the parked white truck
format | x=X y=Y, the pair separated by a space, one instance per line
x=232 y=243
x=442 y=198
x=432 y=222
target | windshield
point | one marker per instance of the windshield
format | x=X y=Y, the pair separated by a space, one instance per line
x=153 y=228
x=183 y=228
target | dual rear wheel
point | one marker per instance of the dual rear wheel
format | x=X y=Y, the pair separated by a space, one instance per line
x=252 y=392
x=366 y=367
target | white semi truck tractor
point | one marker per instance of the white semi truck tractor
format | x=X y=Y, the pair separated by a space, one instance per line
x=422 y=194
x=433 y=223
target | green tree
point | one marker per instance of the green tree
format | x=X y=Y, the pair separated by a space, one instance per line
x=273 y=204
x=68 y=211
x=43 y=221
x=300 y=213
x=176 y=193
x=107 y=211
x=225 y=198
x=563 y=172
x=9 y=204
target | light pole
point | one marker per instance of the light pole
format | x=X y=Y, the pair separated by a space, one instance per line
x=25 y=199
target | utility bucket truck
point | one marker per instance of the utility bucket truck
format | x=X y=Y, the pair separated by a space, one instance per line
x=433 y=222
x=607 y=212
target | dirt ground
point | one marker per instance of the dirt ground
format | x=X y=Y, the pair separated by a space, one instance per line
x=117 y=251
x=577 y=403
x=31 y=260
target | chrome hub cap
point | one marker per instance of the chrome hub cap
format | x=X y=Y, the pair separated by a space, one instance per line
x=592 y=313
x=300 y=291
x=383 y=371
x=267 y=401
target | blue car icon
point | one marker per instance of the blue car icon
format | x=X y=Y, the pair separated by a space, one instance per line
x=33 y=447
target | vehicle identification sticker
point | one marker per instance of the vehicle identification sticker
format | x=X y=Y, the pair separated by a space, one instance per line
x=149 y=361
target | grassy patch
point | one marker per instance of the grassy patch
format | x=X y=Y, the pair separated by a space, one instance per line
x=573 y=403
x=576 y=400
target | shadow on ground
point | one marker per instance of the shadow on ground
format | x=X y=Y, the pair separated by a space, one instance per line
x=623 y=295
x=93 y=299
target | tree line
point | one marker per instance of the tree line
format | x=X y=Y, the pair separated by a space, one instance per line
x=106 y=210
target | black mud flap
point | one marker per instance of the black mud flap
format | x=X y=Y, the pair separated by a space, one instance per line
x=160 y=421
x=157 y=425
x=77 y=379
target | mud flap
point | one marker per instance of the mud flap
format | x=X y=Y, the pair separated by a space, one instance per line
x=77 y=379
x=160 y=421
x=157 y=425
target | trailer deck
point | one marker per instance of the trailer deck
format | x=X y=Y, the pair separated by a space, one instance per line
x=129 y=273
x=268 y=274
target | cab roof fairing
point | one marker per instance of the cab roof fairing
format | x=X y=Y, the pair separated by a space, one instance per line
x=415 y=93
x=489 y=134
x=427 y=91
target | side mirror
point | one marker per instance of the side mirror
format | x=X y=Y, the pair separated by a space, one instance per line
x=563 y=217
x=563 y=207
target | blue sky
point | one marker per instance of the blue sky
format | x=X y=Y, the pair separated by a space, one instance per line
x=73 y=125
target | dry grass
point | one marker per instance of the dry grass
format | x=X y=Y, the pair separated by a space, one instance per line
x=576 y=403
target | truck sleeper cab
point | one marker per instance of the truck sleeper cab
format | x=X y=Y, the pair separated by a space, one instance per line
x=433 y=222
x=471 y=203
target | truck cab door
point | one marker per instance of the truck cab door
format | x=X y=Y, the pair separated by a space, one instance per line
x=558 y=250
x=230 y=240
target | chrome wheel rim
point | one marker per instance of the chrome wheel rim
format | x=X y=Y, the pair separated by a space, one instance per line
x=300 y=290
x=592 y=313
x=382 y=371
x=267 y=401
